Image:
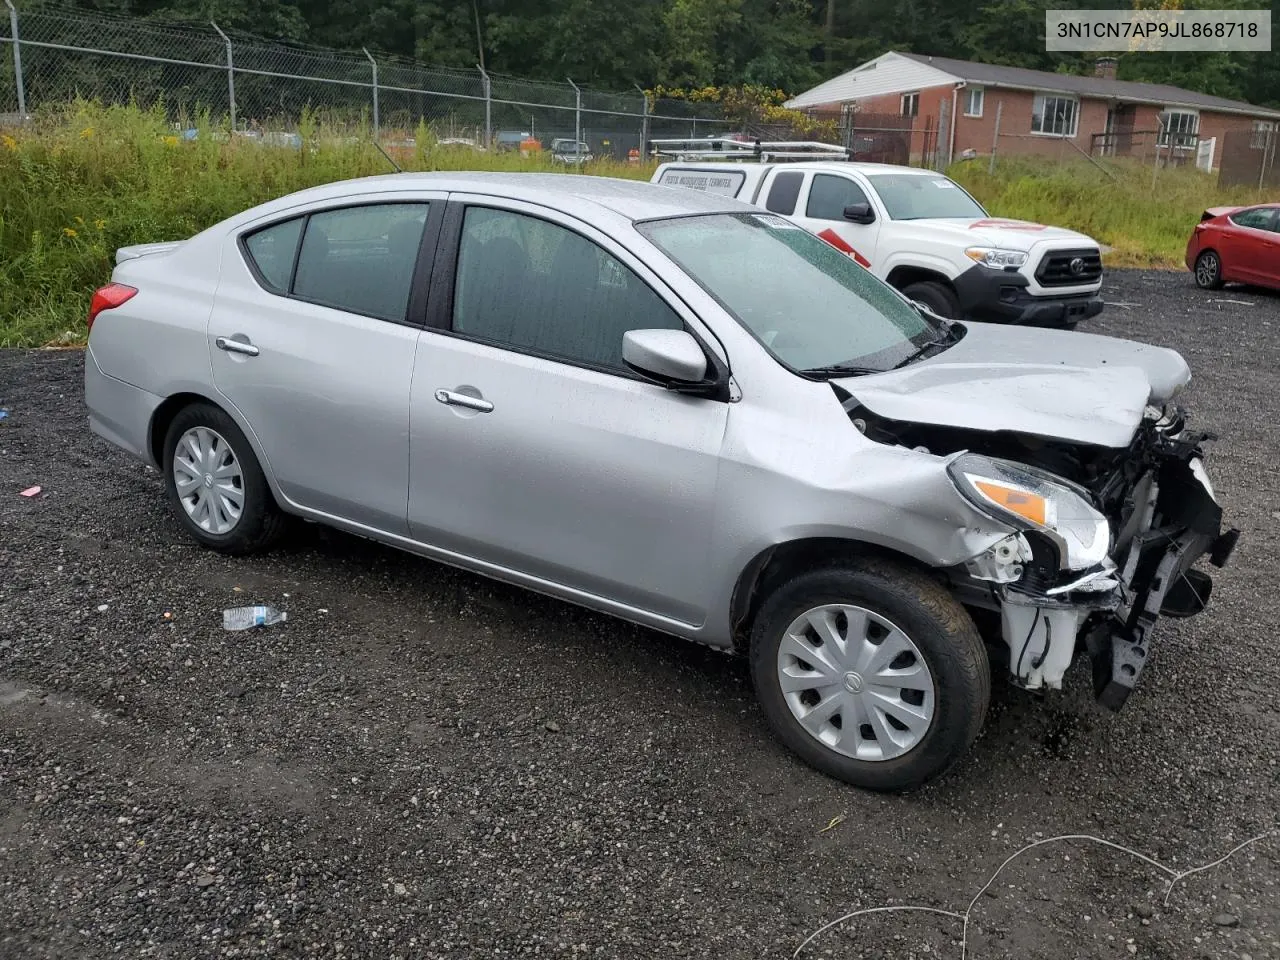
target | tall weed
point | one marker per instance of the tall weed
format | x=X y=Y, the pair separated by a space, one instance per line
x=1144 y=227
x=87 y=179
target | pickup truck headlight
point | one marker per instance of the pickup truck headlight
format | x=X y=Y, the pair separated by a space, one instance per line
x=995 y=258
x=1030 y=499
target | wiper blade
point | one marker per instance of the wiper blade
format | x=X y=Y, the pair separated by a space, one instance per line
x=948 y=337
x=840 y=370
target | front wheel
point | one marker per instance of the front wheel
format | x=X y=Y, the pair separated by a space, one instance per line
x=871 y=672
x=938 y=297
x=1209 y=271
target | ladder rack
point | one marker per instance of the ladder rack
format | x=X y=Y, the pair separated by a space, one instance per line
x=746 y=151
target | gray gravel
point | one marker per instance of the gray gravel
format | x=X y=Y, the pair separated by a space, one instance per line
x=423 y=764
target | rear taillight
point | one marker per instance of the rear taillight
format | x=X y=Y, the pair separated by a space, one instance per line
x=108 y=298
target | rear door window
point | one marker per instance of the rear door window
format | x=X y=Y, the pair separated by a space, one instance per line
x=784 y=192
x=361 y=259
x=1259 y=218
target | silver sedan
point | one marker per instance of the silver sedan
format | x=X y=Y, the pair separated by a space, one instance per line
x=683 y=411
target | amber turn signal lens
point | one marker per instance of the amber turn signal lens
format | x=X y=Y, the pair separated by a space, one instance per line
x=1028 y=505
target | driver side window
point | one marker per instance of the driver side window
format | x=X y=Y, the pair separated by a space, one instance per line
x=829 y=195
x=537 y=287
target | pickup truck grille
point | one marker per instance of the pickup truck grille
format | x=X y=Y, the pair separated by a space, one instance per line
x=1060 y=269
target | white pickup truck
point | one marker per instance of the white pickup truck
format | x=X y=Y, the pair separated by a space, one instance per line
x=923 y=234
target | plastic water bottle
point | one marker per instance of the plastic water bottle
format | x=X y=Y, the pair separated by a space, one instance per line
x=246 y=618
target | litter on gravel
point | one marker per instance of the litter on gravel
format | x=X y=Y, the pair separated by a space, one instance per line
x=30 y=492
x=246 y=618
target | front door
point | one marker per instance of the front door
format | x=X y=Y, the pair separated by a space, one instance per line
x=312 y=341
x=534 y=449
x=822 y=212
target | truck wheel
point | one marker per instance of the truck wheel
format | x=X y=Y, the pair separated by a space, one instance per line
x=871 y=672
x=938 y=297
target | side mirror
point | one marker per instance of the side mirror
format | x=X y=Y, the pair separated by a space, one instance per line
x=860 y=213
x=672 y=356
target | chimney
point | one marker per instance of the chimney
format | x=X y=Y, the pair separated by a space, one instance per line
x=1105 y=67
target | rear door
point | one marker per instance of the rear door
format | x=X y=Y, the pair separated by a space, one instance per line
x=312 y=340
x=1249 y=249
x=822 y=208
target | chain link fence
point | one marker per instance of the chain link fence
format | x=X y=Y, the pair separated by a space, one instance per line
x=50 y=56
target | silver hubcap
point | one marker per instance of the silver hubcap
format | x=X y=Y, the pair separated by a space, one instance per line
x=1207 y=269
x=209 y=480
x=855 y=682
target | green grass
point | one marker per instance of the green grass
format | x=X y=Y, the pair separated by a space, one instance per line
x=89 y=179
x=1144 y=227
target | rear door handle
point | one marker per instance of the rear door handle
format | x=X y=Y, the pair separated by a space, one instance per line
x=236 y=346
x=463 y=400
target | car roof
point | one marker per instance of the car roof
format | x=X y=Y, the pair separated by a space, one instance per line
x=577 y=194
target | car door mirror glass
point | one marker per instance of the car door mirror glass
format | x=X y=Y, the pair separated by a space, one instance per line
x=668 y=355
x=859 y=213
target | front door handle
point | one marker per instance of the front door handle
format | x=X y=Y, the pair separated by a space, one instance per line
x=463 y=400
x=236 y=346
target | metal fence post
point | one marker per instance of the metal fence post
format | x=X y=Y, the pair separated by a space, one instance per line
x=644 y=122
x=231 y=74
x=1155 y=167
x=488 y=106
x=577 y=120
x=17 y=61
x=374 y=64
x=942 y=155
x=995 y=138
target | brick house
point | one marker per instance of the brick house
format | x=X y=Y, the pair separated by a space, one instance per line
x=1039 y=112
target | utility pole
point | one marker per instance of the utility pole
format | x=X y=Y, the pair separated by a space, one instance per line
x=475 y=9
x=830 y=33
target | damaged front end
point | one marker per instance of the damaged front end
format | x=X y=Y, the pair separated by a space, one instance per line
x=1104 y=545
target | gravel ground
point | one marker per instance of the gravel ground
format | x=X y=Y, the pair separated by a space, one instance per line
x=424 y=764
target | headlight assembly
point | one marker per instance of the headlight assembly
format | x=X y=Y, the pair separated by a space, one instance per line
x=995 y=257
x=1031 y=499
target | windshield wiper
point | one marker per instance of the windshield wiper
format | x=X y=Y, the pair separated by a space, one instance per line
x=841 y=370
x=948 y=337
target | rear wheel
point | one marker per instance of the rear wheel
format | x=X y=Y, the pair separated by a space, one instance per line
x=1209 y=270
x=938 y=297
x=215 y=484
x=870 y=672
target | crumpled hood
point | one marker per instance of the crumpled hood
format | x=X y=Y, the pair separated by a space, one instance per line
x=1079 y=387
x=1000 y=232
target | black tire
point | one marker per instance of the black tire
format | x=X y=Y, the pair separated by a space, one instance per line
x=937 y=296
x=261 y=522
x=1208 y=270
x=933 y=620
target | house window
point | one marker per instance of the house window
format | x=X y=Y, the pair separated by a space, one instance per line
x=973 y=101
x=1263 y=130
x=1054 y=116
x=1179 y=127
x=911 y=104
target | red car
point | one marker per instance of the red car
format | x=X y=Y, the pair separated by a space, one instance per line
x=1236 y=245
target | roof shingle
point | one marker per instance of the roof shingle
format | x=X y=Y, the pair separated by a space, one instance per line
x=1101 y=87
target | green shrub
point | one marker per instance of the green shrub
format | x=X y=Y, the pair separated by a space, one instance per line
x=81 y=182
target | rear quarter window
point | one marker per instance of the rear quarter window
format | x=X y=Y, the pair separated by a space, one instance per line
x=784 y=192
x=272 y=252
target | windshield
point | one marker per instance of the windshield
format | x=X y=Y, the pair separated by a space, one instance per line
x=807 y=302
x=914 y=196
